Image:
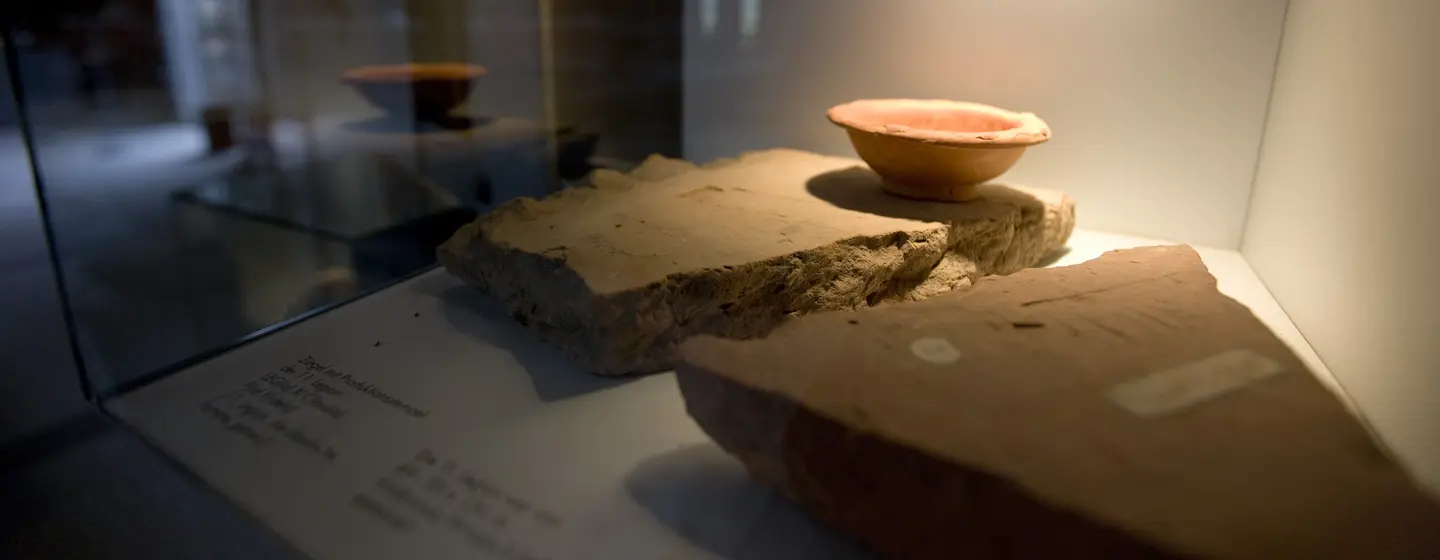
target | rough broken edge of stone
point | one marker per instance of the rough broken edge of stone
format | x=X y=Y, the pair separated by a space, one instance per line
x=637 y=330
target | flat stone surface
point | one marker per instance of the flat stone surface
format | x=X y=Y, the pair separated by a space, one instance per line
x=1120 y=408
x=618 y=274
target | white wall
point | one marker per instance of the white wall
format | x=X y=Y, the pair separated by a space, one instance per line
x=1342 y=227
x=1157 y=106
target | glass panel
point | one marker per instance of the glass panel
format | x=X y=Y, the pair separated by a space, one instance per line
x=216 y=167
x=39 y=381
x=347 y=198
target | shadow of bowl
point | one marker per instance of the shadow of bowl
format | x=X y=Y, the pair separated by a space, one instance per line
x=427 y=92
x=860 y=189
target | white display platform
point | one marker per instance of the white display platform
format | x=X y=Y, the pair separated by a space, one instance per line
x=420 y=422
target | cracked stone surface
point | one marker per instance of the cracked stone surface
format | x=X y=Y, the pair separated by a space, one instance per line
x=1120 y=408
x=617 y=275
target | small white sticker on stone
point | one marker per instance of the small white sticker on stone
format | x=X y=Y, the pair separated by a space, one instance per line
x=935 y=350
x=1181 y=387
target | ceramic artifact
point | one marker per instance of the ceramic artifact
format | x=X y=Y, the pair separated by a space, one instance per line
x=932 y=149
x=1122 y=408
x=428 y=92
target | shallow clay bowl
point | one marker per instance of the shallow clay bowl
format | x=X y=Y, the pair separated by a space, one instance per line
x=427 y=91
x=933 y=149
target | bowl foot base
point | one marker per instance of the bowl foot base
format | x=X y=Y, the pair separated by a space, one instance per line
x=940 y=193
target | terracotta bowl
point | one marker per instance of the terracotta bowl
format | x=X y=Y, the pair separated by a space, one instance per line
x=427 y=91
x=933 y=149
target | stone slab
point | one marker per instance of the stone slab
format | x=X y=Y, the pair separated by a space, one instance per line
x=617 y=275
x=1120 y=408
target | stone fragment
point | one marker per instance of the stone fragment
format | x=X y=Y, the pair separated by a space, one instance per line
x=617 y=275
x=1121 y=408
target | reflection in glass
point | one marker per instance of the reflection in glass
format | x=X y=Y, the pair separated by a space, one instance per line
x=749 y=20
x=210 y=175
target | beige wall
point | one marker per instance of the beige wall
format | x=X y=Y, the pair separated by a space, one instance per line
x=1342 y=227
x=1157 y=106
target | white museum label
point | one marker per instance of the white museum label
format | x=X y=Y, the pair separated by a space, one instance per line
x=419 y=422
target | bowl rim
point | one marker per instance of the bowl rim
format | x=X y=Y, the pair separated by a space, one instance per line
x=413 y=72
x=1031 y=130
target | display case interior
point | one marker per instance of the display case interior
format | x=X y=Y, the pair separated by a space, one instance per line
x=791 y=279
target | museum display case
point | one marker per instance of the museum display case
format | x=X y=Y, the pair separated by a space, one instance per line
x=544 y=279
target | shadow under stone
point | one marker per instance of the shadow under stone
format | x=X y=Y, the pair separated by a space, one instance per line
x=481 y=316
x=707 y=497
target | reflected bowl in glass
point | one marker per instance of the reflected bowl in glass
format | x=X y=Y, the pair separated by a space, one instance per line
x=428 y=91
x=934 y=149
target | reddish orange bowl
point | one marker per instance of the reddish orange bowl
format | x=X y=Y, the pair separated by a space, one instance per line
x=427 y=91
x=933 y=149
